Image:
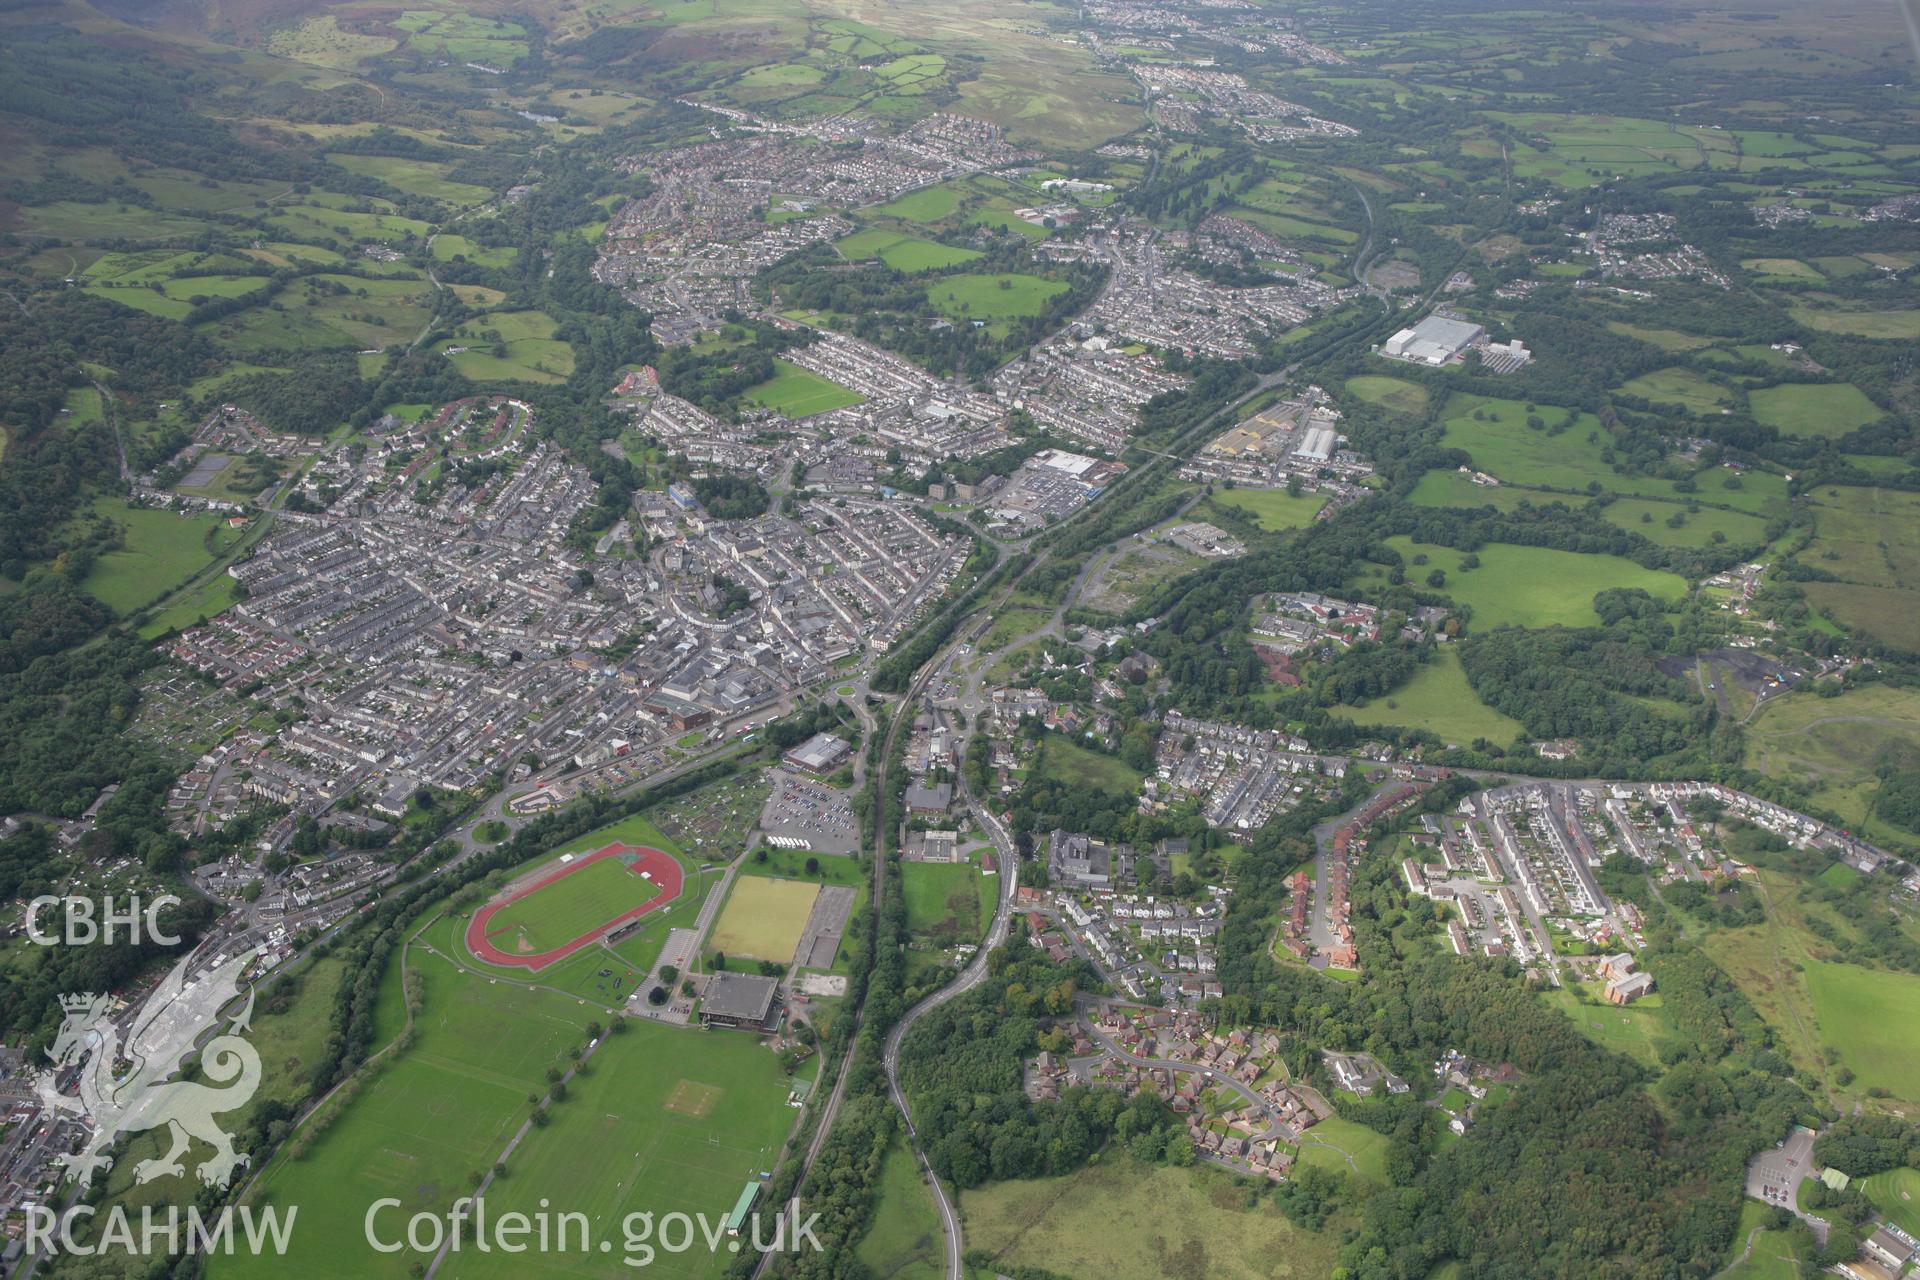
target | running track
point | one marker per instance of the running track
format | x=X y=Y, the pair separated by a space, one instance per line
x=663 y=868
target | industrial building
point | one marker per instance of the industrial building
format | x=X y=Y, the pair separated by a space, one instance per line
x=822 y=753
x=1436 y=340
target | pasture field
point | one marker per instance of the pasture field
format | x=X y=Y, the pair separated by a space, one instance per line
x=1896 y=1193
x=1565 y=453
x=462 y=37
x=1396 y=394
x=1451 y=489
x=799 y=393
x=1869 y=539
x=663 y=1120
x=1823 y=410
x=763 y=918
x=947 y=902
x=1125 y=1220
x=992 y=298
x=1075 y=766
x=448 y=247
x=74 y=220
x=512 y=345
x=369 y=313
x=1683 y=387
x=1791 y=270
x=345 y=227
x=415 y=177
x=1501 y=443
x=1649 y=519
x=1888 y=326
x=422 y=1125
x=1439 y=700
x=163 y=549
x=1665 y=339
x=902 y=253
x=904 y=1241
x=1869 y=1016
x=1533 y=586
x=1274 y=508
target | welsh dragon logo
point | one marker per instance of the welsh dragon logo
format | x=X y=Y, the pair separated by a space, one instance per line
x=126 y=1067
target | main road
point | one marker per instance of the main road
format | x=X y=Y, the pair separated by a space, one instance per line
x=966 y=980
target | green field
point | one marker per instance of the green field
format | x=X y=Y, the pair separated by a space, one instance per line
x=422 y=1125
x=763 y=918
x=1825 y=411
x=415 y=177
x=797 y=393
x=1870 y=1016
x=1391 y=393
x=163 y=549
x=1634 y=1031
x=994 y=297
x=1122 y=1220
x=929 y=204
x=447 y=247
x=1274 y=508
x=1346 y=1147
x=666 y=1120
x=947 y=903
x=1650 y=518
x=1869 y=539
x=1684 y=387
x=1533 y=586
x=1775 y=1255
x=902 y=253
x=1896 y=1193
x=1074 y=765
x=904 y=1241
x=1888 y=326
x=575 y=904
x=1439 y=700
x=1501 y=443
x=510 y=346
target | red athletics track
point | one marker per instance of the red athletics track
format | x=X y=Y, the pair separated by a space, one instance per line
x=661 y=866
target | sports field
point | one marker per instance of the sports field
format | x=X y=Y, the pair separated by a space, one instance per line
x=420 y=1128
x=763 y=919
x=666 y=1120
x=1896 y=1194
x=800 y=394
x=928 y=204
x=561 y=909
